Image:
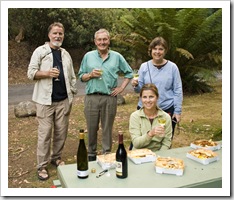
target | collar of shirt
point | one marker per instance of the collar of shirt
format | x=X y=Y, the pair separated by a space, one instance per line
x=160 y=66
x=100 y=54
x=142 y=114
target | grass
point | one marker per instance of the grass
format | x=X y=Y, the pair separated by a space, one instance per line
x=201 y=119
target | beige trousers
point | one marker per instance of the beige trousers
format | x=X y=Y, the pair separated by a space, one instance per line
x=52 y=130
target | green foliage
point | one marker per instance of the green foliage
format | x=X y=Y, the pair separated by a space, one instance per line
x=140 y=26
x=80 y=24
x=194 y=35
x=192 y=45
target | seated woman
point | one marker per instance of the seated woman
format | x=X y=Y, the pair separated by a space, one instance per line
x=144 y=125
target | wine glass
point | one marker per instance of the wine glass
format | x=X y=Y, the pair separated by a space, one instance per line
x=100 y=71
x=162 y=122
x=56 y=79
x=135 y=74
x=107 y=162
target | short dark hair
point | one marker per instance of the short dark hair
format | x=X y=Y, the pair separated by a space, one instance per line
x=157 y=41
x=149 y=86
x=56 y=24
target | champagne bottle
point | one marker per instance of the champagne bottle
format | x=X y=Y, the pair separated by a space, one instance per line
x=121 y=159
x=82 y=158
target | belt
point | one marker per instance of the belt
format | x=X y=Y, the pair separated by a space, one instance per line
x=98 y=93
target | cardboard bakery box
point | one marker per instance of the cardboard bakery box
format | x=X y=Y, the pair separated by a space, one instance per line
x=203 y=156
x=205 y=144
x=139 y=156
x=168 y=165
x=106 y=161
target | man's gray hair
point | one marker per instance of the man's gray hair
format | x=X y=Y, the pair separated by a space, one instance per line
x=56 y=24
x=102 y=30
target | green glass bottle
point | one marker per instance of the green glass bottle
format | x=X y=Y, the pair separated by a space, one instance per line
x=82 y=158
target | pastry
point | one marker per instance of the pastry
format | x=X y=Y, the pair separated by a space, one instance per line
x=169 y=163
x=110 y=158
x=203 y=153
x=140 y=153
x=205 y=143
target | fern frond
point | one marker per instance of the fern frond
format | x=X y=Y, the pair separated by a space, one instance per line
x=184 y=53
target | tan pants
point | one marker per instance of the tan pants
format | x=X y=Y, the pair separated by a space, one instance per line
x=56 y=118
x=100 y=108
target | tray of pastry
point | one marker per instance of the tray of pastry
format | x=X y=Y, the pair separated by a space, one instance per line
x=204 y=156
x=168 y=165
x=139 y=156
x=107 y=161
x=205 y=144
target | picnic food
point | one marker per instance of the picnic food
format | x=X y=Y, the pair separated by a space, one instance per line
x=106 y=161
x=110 y=158
x=205 y=143
x=169 y=163
x=203 y=153
x=140 y=153
x=139 y=156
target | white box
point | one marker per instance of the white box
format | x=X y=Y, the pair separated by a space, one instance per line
x=177 y=172
x=105 y=166
x=101 y=161
x=147 y=158
x=172 y=166
x=139 y=156
x=204 y=161
x=212 y=148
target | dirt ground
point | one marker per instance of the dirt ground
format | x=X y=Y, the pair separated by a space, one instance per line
x=22 y=132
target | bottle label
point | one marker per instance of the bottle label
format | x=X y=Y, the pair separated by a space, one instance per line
x=82 y=173
x=119 y=168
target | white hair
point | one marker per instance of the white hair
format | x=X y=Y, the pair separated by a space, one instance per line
x=102 y=30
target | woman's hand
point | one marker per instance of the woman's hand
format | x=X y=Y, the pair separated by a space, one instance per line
x=134 y=82
x=177 y=116
x=158 y=131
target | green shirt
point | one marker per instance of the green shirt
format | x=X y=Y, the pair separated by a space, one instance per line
x=140 y=125
x=112 y=66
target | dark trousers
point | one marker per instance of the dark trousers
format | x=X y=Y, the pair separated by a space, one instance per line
x=170 y=111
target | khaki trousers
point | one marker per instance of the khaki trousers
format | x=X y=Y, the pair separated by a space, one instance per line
x=100 y=108
x=52 y=118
